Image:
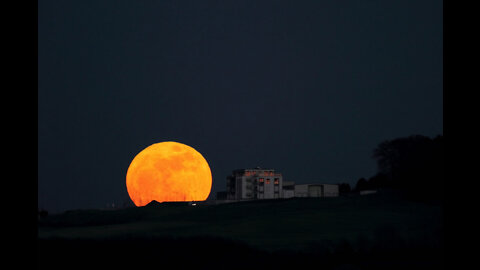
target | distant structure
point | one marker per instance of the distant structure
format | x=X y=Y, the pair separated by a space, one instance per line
x=367 y=192
x=258 y=183
x=288 y=189
x=254 y=183
x=317 y=190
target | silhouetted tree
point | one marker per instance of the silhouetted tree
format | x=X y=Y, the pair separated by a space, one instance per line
x=362 y=184
x=413 y=164
x=379 y=180
x=344 y=188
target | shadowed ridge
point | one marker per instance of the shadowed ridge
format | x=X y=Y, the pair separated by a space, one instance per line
x=153 y=203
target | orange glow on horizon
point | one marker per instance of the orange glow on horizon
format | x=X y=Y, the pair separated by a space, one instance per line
x=167 y=172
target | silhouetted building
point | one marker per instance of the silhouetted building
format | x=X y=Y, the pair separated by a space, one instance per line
x=317 y=190
x=257 y=183
x=368 y=192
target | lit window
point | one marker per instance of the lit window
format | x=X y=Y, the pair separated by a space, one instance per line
x=260 y=180
x=268 y=181
x=276 y=181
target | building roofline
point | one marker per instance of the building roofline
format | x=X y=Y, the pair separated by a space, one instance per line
x=253 y=169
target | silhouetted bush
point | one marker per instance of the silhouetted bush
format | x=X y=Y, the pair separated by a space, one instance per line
x=344 y=188
x=362 y=184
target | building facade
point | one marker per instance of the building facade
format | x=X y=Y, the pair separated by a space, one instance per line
x=257 y=183
x=316 y=190
x=288 y=189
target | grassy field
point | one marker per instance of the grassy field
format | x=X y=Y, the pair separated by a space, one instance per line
x=381 y=231
x=354 y=225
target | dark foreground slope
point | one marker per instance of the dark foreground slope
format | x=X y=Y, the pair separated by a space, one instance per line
x=368 y=232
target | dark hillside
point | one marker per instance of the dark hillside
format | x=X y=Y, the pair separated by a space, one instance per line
x=269 y=224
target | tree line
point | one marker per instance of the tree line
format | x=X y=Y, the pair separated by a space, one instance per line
x=413 y=165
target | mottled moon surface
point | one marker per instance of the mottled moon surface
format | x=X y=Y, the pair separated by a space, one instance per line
x=168 y=172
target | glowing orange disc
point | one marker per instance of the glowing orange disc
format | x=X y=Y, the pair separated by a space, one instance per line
x=168 y=171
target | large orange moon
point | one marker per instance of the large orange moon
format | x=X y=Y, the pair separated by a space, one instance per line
x=168 y=172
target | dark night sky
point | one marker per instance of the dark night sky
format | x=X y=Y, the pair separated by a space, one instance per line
x=308 y=88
